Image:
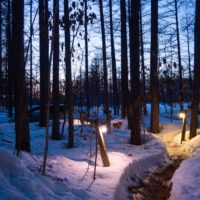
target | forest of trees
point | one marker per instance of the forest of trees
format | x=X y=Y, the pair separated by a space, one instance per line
x=68 y=57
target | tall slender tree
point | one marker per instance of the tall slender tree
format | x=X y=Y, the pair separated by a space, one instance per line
x=135 y=73
x=68 y=91
x=1 y=73
x=44 y=59
x=86 y=58
x=10 y=67
x=21 y=106
x=180 y=67
x=31 y=55
x=124 y=61
x=188 y=51
x=105 y=73
x=143 y=64
x=196 y=82
x=55 y=127
x=154 y=126
x=129 y=109
x=114 y=70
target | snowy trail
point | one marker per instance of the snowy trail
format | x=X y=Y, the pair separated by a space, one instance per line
x=176 y=180
x=156 y=185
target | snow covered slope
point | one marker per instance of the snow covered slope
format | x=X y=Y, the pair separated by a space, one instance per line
x=70 y=171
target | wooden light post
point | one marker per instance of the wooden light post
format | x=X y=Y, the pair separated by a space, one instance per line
x=183 y=115
x=102 y=146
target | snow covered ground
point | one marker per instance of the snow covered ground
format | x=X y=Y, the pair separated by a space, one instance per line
x=70 y=171
x=186 y=180
x=187 y=177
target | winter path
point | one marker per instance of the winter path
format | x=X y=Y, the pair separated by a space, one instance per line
x=156 y=185
x=168 y=181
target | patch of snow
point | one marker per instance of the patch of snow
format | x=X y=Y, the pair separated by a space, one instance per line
x=17 y=182
x=186 y=180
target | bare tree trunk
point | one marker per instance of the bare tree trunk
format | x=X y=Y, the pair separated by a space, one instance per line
x=31 y=55
x=68 y=92
x=196 y=82
x=80 y=86
x=44 y=59
x=105 y=76
x=124 y=62
x=10 y=68
x=179 y=57
x=143 y=65
x=46 y=147
x=135 y=74
x=86 y=60
x=55 y=127
x=21 y=107
x=188 y=50
x=1 y=73
x=114 y=71
x=154 y=126
x=129 y=108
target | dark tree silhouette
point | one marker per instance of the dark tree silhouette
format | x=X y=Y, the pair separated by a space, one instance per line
x=196 y=82
x=180 y=67
x=10 y=65
x=44 y=59
x=68 y=91
x=114 y=70
x=105 y=76
x=86 y=59
x=143 y=65
x=21 y=107
x=55 y=125
x=135 y=73
x=188 y=51
x=154 y=125
x=31 y=55
x=124 y=62
x=1 y=72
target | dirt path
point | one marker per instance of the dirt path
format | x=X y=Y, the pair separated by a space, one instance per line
x=155 y=186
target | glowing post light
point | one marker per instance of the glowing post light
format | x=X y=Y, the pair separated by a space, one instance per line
x=99 y=131
x=103 y=129
x=183 y=115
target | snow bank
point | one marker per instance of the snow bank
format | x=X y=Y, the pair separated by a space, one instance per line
x=186 y=180
x=135 y=172
x=17 y=182
x=192 y=147
x=187 y=176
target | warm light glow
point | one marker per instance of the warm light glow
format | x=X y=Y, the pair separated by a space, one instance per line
x=181 y=115
x=103 y=129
